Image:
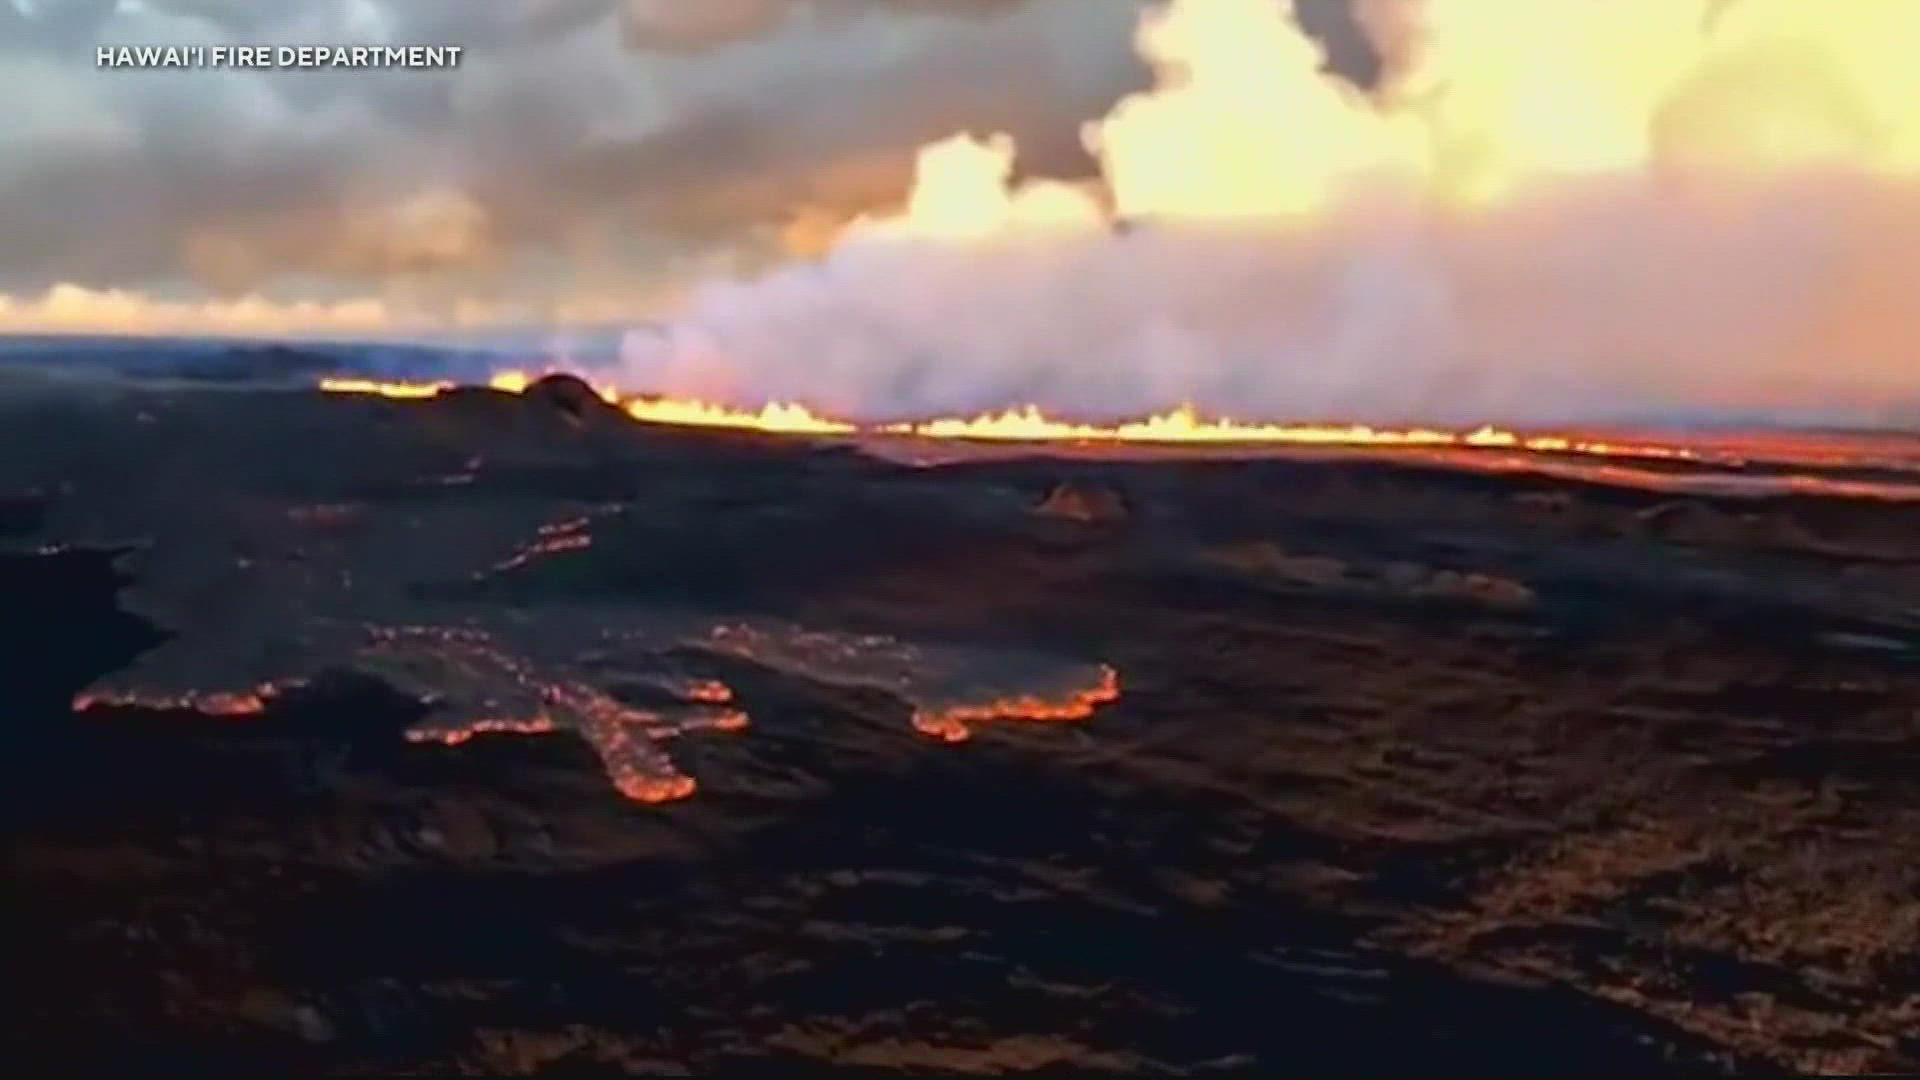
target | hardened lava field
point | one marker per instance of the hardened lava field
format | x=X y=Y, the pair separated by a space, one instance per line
x=497 y=733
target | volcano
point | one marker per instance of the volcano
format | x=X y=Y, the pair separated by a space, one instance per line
x=500 y=732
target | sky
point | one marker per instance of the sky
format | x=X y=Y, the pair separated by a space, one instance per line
x=587 y=159
x=1667 y=206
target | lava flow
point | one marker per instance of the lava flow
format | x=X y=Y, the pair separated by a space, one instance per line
x=403 y=390
x=220 y=703
x=1029 y=424
x=950 y=724
x=780 y=418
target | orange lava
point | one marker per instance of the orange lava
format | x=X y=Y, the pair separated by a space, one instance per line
x=950 y=724
x=625 y=739
x=636 y=769
x=1487 y=446
x=403 y=390
x=211 y=703
x=1185 y=425
x=1028 y=423
x=727 y=720
x=454 y=736
x=550 y=543
x=779 y=418
x=654 y=789
x=709 y=691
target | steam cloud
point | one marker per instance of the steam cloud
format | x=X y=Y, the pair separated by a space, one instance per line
x=1653 y=209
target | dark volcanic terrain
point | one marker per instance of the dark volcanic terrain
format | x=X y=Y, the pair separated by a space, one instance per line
x=333 y=725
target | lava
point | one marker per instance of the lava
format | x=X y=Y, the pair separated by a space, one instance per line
x=949 y=724
x=1184 y=425
x=784 y=418
x=710 y=691
x=1028 y=423
x=400 y=390
x=780 y=418
x=561 y=536
x=1604 y=458
x=699 y=720
x=510 y=696
x=467 y=729
x=221 y=703
x=947 y=687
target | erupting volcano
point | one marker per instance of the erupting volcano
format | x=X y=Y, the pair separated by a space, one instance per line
x=1030 y=424
x=1412 y=527
x=1648 y=211
x=1541 y=215
x=1712 y=460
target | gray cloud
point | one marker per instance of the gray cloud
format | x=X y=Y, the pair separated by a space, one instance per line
x=662 y=24
x=585 y=147
x=676 y=26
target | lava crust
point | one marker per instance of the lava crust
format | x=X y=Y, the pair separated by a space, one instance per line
x=474 y=734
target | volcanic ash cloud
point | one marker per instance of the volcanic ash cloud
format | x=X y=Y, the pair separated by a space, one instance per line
x=1545 y=211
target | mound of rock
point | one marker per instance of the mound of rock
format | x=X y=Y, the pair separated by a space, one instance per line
x=1690 y=522
x=1492 y=590
x=1269 y=560
x=570 y=394
x=1697 y=524
x=555 y=406
x=1086 y=503
x=1271 y=563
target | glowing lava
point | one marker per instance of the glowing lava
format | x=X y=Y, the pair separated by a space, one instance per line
x=454 y=736
x=1029 y=423
x=560 y=536
x=221 y=703
x=781 y=418
x=510 y=696
x=949 y=724
x=401 y=390
x=710 y=691
x=1184 y=425
x=947 y=687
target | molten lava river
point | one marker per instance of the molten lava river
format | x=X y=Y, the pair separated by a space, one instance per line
x=1708 y=460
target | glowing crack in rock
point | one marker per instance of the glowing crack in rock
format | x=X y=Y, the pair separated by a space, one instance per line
x=475 y=686
x=708 y=690
x=480 y=689
x=223 y=703
x=551 y=539
x=336 y=587
x=1029 y=423
x=949 y=688
x=949 y=723
x=780 y=418
x=454 y=736
x=402 y=390
x=1720 y=457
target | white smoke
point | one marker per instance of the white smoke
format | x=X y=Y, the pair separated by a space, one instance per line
x=1445 y=253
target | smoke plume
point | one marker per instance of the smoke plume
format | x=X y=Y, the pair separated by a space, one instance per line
x=1540 y=211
